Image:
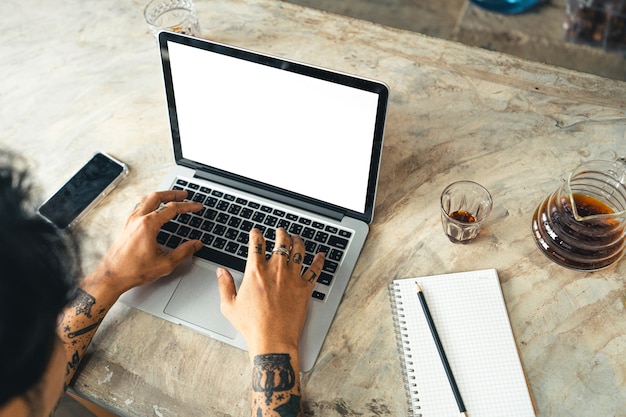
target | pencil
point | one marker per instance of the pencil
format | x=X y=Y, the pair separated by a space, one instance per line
x=442 y=353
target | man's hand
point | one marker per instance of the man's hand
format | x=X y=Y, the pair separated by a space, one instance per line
x=271 y=306
x=135 y=257
x=269 y=311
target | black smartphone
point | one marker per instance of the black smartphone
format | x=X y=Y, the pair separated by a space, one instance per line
x=81 y=193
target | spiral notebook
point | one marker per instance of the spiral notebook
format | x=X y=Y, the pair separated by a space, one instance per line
x=473 y=324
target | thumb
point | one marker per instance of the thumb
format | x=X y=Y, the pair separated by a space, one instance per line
x=184 y=251
x=226 y=286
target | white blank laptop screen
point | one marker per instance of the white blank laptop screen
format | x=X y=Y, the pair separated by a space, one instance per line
x=298 y=133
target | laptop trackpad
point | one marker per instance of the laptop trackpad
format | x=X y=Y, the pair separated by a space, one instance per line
x=197 y=301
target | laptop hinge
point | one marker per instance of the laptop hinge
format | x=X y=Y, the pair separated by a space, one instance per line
x=290 y=201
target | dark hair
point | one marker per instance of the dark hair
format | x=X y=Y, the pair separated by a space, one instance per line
x=38 y=272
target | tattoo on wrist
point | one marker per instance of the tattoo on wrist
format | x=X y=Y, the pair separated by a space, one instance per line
x=83 y=303
x=274 y=377
x=82 y=331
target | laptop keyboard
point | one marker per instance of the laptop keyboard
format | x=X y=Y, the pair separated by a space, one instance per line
x=224 y=224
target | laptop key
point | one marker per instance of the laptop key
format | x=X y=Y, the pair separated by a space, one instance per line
x=195 y=234
x=331 y=229
x=183 y=231
x=222 y=205
x=325 y=278
x=219 y=243
x=243 y=238
x=295 y=229
x=207 y=225
x=231 y=247
x=321 y=237
x=173 y=242
x=318 y=295
x=246 y=213
x=270 y=234
x=231 y=234
x=330 y=266
x=221 y=258
x=170 y=227
x=207 y=239
x=258 y=217
x=310 y=246
x=345 y=233
x=271 y=221
x=234 y=209
x=199 y=198
x=222 y=218
x=335 y=255
x=234 y=222
x=195 y=221
x=210 y=214
x=246 y=226
x=162 y=237
x=323 y=248
x=338 y=242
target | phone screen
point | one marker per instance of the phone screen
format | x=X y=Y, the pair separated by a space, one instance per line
x=81 y=190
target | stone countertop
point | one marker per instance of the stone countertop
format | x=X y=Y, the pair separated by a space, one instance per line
x=79 y=76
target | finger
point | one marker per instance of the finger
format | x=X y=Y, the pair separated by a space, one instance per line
x=256 y=247
x=154 y=200
x=283 y=244
x=297 y=252
x=227 y=289
x=169 y=210
x=312 y=274
x=182 y=252
x=140 y=203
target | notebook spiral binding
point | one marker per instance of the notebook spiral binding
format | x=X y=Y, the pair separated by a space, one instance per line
x=404 y=350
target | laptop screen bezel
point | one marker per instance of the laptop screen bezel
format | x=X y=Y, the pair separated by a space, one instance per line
x=293 y=198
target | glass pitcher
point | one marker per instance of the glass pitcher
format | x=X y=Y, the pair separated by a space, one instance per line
x=582 y=224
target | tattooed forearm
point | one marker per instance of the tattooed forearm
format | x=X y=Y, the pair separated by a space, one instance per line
x=84 y=330
x=275 y=386
x=83 y=303
x=77 y=326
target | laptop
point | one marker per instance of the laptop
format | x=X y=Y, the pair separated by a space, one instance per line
x=264 y=142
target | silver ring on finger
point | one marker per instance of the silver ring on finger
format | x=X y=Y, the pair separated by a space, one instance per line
x=283 y=251
x=161 y=208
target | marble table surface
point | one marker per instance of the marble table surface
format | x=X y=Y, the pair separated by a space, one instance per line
x=80 y=76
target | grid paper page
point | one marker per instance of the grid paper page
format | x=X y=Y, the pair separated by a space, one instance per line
x=472 y=321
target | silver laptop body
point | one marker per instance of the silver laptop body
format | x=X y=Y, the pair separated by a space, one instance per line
x=283 y=144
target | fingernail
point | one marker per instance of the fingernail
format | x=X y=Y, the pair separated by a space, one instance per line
x=219 y=272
